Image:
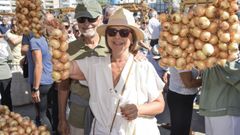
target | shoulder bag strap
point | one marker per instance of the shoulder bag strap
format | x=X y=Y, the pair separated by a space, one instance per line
x=123 y=89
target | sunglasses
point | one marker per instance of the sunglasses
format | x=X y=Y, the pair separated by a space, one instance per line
x=122 y=32
x=145 y=23
x=83 y=19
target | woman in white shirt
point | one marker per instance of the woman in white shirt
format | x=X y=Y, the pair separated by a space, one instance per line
x=125 y=95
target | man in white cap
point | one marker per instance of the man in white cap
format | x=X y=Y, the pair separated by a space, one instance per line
x=88 y=14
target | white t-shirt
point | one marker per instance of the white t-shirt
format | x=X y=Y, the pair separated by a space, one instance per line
x=143 y=86
x=154 y=28
x=176 y=84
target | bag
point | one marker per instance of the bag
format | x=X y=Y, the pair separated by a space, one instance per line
x=25 y=68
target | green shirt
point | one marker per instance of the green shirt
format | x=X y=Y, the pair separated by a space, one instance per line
x=78 y=50
x=221 y=91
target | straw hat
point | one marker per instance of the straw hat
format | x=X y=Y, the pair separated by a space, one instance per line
x=122 y=17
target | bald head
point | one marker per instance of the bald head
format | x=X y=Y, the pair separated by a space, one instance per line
x=49 y=17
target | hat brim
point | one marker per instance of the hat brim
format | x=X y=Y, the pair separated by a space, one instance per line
x=88 y=14
x=139 y=33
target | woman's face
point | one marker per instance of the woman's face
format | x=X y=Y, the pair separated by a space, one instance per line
x=119 y=38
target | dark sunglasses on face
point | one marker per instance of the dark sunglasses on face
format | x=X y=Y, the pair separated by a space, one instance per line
x=83 y=19
x=145 y=23
x=122 y=32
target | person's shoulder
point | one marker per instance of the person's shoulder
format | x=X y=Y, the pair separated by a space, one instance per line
x=76 y=42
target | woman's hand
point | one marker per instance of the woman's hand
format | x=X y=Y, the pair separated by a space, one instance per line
x=130 y=111
x=36 y=96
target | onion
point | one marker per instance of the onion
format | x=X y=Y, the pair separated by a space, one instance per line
x=221 y=62
x=208 y=49
x=54 y=43
x=58 y=66
x=66 y=65
x=234 y=28
x=225 y=37
x=176 y=18
x=204 y=22
x=169 y=49
x=196 y=32
x=184 y=44
x=64 y=46
x=164 y=61
x=24 y=11
x=184 y=31
x=192 y=24
x=233 y=7
x=177 y=52
x=189 y=59
x=205 y=36
x=162 y=43
x=163 y=17
x=213 y=27
x=56 y=33
x=224 y=15
x=236 y=38
x=224 y=25
x=64 y=58
x=171 y=62
x=222 y=46
x=199 y=10
x=224 y=4
x=211 y=61
x=198 y=44
x=200 y=65
x=176 y=40
x=56 y=53
x=175 y=28
x=201 y=55
x=56 y=76
x=233 y=47
x=216 y=51
x=213 y=40
x=190 y=48
x=233 y=19
x=232 y=57
x=211 y=11
x=223 y=55
x=185 y=19
x=180 y=63
x=166 y=26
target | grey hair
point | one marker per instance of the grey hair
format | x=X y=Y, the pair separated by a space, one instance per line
x=153 y=14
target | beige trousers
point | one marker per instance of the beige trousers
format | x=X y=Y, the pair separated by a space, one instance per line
x=76 y=131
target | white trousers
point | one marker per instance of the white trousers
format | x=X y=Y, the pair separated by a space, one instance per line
x=222 y=125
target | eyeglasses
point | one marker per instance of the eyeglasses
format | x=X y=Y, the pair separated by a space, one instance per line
x=122 y=32
x=83 y=19
x=144 y=22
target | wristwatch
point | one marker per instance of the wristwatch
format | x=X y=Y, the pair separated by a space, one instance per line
x=34 y=90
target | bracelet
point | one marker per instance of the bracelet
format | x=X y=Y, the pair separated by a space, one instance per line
x=34 y=90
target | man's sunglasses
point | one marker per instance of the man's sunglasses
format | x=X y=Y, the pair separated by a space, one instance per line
x=122 y=32
x=83 y=19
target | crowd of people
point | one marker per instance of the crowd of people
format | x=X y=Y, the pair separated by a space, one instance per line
x=116 y=85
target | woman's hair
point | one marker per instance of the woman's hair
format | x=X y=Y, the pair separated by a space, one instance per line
x=133 y=48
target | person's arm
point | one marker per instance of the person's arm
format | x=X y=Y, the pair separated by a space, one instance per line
x=37 y=60
x=63 y=92
x=75 y=72
x=13 y=39
x=132 y=111
x=24 y=49
x=189 y=81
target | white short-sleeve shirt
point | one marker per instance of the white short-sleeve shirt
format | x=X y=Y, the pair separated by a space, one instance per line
x=143 y=86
